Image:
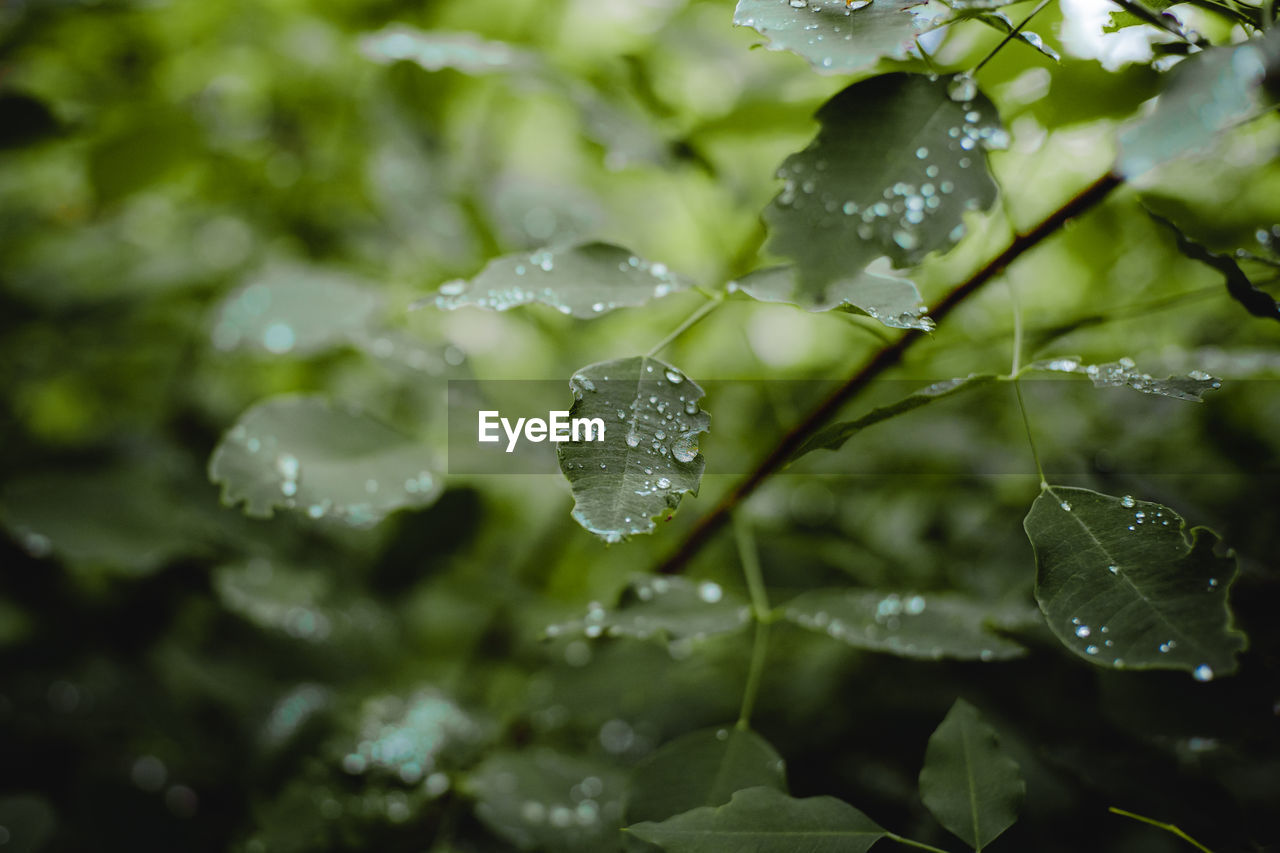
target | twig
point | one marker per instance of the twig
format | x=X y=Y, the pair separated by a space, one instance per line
x=885 y=358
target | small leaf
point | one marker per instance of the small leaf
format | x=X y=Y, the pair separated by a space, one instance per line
x=1208 y=93
x=1125 y=373
x=765 y=820
x=293 y=308
x=893 y=301
x=648 y=458
x=894 y=167
x=928 y=626
x=702 y=768
x=585 y=280
x=672 y=607
x=543 y=799
x=835 y=36
x=302 y=454
x=968 y=782
x=834 y=436
x=437 y=50
x=1257 y=302
x=1123 y=586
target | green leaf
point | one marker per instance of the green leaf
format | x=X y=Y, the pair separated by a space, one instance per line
x=293 y=308
x=765 y=820
x=927 y=626
x=649 y=456
x=894 y=167
x=834 y=436
x=437 y=50
x=1208 y=93
x=585 y=280
x=1124 y=372
x=834 y=36
x=121 y=519
x=968 y=782
x=543 y=799
x=672 y=607
x=1123 y=586
x=702 y=768
x=302 y=454
x=893 y=301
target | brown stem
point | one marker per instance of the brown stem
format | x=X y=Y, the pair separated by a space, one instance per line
x=885 y=358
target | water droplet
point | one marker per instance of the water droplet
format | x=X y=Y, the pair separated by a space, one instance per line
x=962 y=88
x=1115 y=570
x=1083 y=631
x=1203 y=673
x=855 y=5
x=1066 y=507
x=710 y=592
x=1127 y=501
x=663 y=483
x=278 y=338
x=1091 y=650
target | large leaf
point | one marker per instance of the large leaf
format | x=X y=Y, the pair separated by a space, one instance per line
x=672 y=607
x=968 y=782
x=834 y=436
x=1122 y=584
x=893 y=301
x=540 y=798
x=894 y=167
x=702 y=768
x=926 y=626
x=649 y=456
x=835 y=36
x=303 y=454
x=765 y=820
x=584 y=280
x=291 y=308
x=1208 y=93
x=1125 y=372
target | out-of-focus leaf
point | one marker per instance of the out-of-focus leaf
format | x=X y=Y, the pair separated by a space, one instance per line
x=438 y=49
x=672 y=607
x=702 y=768
x=276 y=598
x=1123 y=586
x=928 y=626
x=543 y=799
x=834 y=436
x=835 y=36
x=1125 y=372
x=765 y=820
x=291 y=308
x=899 y=159
x=410 y=736
x=968 y=782
x=648 y=458
x=29 y=822
x=585 y=280
x=303 y=454
x=1208 y=93
x=145 y=152
x=893 y=301
x=117 y=519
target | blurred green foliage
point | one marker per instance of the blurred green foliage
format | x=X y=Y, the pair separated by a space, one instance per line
x=180 y=676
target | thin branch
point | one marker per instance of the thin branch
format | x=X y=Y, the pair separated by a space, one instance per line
x=688 y=323
x=1010 y=36
x=1167 y=827
x=887 y=357
x=759 y=613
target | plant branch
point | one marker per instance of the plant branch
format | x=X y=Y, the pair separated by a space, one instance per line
x=887 y=357
x=907 y=842
x=1167 y=827
x=688 y=323
x=1011 y=35
x=759 y=613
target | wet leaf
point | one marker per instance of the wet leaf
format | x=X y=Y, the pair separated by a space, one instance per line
x=541 y=798
x=303 y=454
x=1125 y=372
x=292 y=308
x=893 y=301
x=765 y=820
x=968 y=782
x=1207 y=93
x=927 y=626
x=585 y=280
x=1123 y=585
x=648 y=459
x=675 y=608
x=702 y=768
x=834 y=36
x=897 y=162
x=834 y=436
